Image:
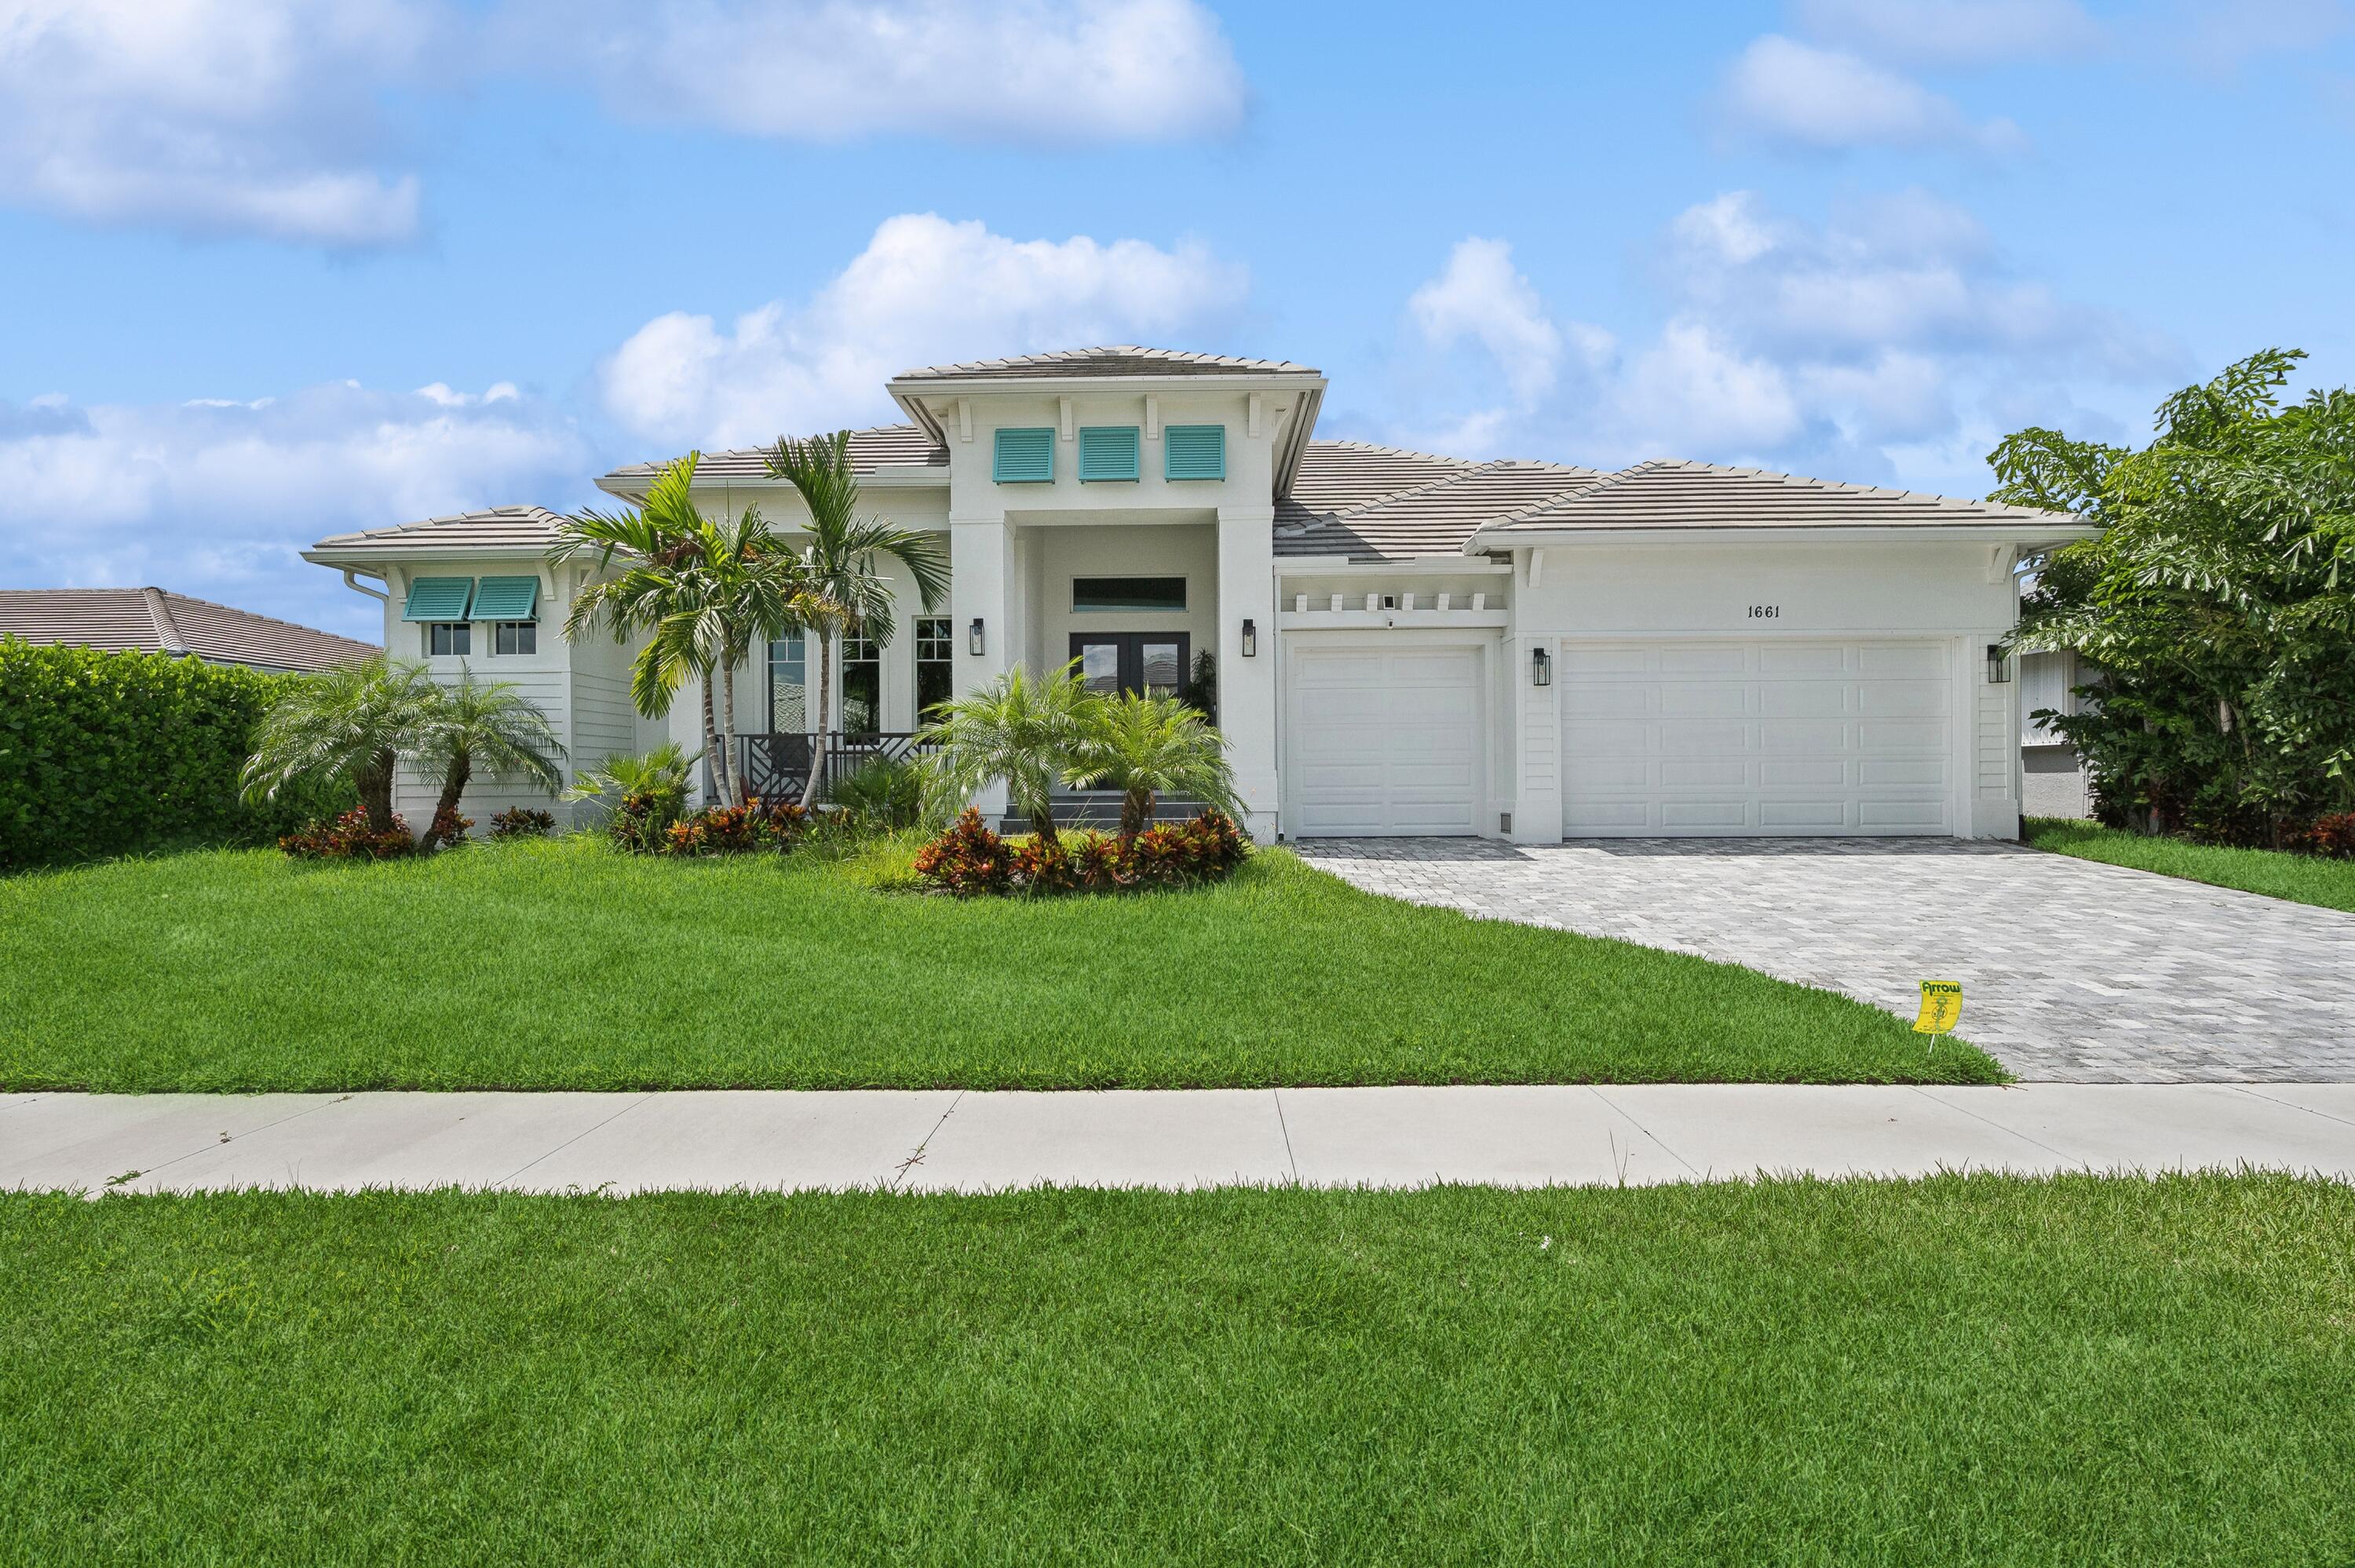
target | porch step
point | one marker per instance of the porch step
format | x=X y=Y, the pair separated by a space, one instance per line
x=1101 y=808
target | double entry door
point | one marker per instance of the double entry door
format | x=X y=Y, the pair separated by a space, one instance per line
x=1153 y=663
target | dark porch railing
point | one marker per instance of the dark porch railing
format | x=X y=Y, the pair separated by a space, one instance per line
x=776 y=766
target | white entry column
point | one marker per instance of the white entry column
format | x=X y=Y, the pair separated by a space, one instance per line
x=1247 y=682
x=981 y=594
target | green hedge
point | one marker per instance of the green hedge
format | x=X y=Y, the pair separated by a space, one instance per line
x=104 y=754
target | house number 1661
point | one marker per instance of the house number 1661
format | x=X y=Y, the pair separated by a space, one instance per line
x=1766 y=611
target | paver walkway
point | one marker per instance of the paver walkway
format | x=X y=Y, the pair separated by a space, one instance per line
x=949 y=1141
x=2072 y=971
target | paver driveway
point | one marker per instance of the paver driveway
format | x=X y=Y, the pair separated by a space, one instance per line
x=2071 y=970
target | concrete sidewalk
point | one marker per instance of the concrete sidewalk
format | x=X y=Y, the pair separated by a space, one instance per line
x=953 y=1141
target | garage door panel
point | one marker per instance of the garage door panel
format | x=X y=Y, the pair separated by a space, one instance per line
x=1383 y=741
x=1810 y=736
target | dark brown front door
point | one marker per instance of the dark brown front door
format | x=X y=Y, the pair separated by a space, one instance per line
x=1152 y=662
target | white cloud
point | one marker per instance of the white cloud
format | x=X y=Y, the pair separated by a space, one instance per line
x=214 y=497
x=2218 y=35
x=1798 y=95
x=1891 y=332
x=830 y=71
x=1954 y=32
x=273 y=118
x=1479 y=295
x=208 y=116
x=924 y=291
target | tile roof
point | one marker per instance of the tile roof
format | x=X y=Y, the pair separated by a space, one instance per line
x=1433 y=518
x=150 y=621
x=1120 y=359
x=1668 y=493
x=1336 y=475
x=877 y=447
x=529 y=529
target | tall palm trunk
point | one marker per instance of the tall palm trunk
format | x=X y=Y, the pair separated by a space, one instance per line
x=453 y=784
x=728 y=782
x=712 y=753
x=825 y=712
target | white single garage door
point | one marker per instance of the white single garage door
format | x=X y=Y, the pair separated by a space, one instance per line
x=1772 y=736
x=1381 y=741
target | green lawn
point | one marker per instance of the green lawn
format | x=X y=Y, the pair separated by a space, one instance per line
x=2301 y=878
x=1967 y=1369
x=564 y=965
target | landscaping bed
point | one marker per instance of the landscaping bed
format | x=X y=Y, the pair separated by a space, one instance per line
x=566 y=964
x=2300 y=878
x=1959 y=1370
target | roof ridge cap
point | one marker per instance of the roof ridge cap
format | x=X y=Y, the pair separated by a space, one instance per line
x=159 y=614
x=1441 y=482
x=1355 y=445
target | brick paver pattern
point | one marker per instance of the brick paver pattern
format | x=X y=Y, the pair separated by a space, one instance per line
x=2072 y=971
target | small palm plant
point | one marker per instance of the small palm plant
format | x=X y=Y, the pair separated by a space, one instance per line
x=843 y=590
x=489 y=724
x=1146 y=746
x=647 y=790
x=1027 y=731
x=352 y=722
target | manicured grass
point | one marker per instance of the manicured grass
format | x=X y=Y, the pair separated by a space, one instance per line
x=1967 y=1369
x=565 y=964
x=2300 y=878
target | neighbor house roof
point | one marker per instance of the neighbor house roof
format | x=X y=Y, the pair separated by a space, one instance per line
x=522 y=529
x=150 y=621
x=1433 y=518
x=1120 y=359
x=1673 y=494
x=880 y=445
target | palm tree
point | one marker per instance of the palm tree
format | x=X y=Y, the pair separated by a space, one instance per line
x=698 y=592
x=1026 y=732
x=489 y=724
x=1143 y=745
x=844 y=593
x=656 y=780
x=351 y=723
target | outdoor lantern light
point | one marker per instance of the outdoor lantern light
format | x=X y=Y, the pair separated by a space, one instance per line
x=1541 y=668
x=973 y=639
x=1251 y=639
x=1999 y=668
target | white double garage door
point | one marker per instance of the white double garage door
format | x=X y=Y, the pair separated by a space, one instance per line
x=1786 y=736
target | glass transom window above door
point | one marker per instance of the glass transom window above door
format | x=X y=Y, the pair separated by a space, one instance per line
x=1151 y=662
x=1132 y=594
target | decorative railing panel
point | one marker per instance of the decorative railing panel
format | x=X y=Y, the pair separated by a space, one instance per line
x=777 y=764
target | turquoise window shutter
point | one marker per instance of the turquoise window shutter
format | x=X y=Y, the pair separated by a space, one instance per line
x=1194 y=451
x=438 y=599
x=1025 y=457
x=506 y=598
x=1109 y=452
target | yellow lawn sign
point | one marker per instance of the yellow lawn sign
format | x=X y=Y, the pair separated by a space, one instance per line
x=1941 y=1009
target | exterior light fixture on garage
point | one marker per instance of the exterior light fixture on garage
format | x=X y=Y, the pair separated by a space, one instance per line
x=1541 y=668
x=1998 y=667
x=973 y=638
x=1251 y=639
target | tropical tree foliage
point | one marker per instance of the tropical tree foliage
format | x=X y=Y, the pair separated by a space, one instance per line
x=700 y=593
x=843 y=589
x=2218 y=603
x=1147 y=746
x=489 y=726
x=350 y=724
x=1028 y=732
x=646 y=791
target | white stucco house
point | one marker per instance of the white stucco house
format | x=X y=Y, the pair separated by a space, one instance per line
x=1402 y=642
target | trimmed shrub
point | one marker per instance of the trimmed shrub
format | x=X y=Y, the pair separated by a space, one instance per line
x=347 y=837
x=757 y=824
x=970 y=858
x=522 y=823
x=2331 y=837
x=449 y=828
x=104 y=754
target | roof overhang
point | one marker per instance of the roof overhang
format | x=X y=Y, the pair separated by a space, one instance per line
x=2026 y=536
x=926 y=400
x=631 y=487
x=374 y=558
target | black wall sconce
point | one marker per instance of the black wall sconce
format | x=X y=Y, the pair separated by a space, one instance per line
x=1998 y=667
x=1251 y=639
x=973 y=639
x=1541 y=668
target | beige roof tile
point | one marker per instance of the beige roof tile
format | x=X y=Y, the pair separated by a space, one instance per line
x=1433 y=518
x=150 y=621
x=1120 y=359
x=527 y=529
x=879 y=446
x=1668 y=492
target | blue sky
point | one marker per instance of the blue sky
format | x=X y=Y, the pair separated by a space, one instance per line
x=280 y=267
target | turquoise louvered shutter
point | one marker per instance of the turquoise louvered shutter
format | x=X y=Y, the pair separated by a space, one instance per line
x=506 y=598
x=1025 y=457
x=438 y=599
x=1109 y=452
x=1194 y=451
